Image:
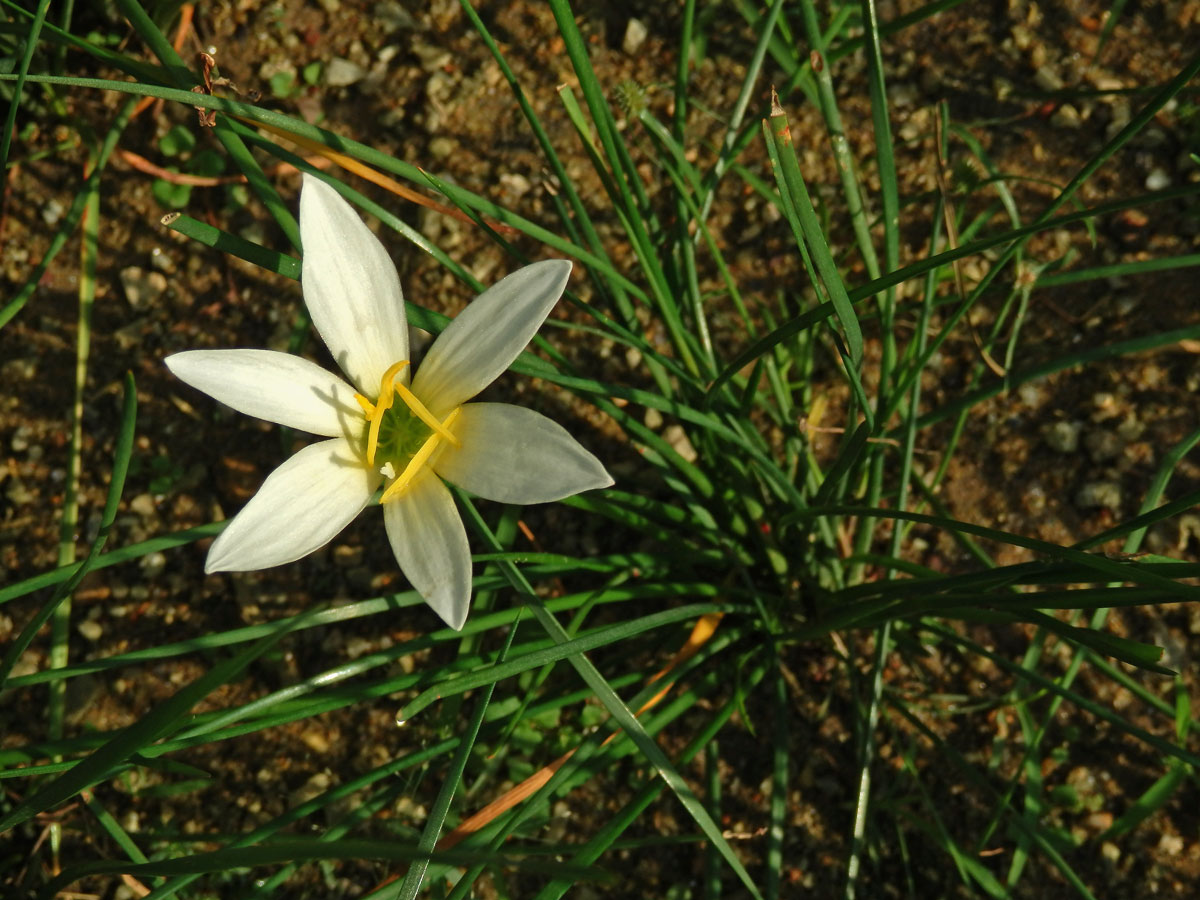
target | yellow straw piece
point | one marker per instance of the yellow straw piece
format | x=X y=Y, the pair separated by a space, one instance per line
x=419 y=459
x=353 y=165
x=425 y=415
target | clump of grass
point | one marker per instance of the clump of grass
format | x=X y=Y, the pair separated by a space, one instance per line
x=728 y=555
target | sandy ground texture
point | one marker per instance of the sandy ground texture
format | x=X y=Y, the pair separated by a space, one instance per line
x=1060 y=458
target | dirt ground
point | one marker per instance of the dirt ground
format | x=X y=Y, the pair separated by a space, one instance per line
x=1059 y=458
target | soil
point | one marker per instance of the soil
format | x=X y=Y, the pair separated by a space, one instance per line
x=1058 y=458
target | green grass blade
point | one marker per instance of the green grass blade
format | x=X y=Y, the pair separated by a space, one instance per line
x=621 y=713
x=441 y=807
x=1130 y=269
x=31 y=44
x=1148 y=803
x=781 y=754
x=866 y=755
x=791 y=182
x=826 y=98
x=139 y=736
x=185 y=79
x=1048 y=684
x=211 y=236
x=306 y=850
x=568 y=648
x=730 y=144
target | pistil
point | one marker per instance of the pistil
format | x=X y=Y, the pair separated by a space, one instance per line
x=374 y=412
x=396 y=488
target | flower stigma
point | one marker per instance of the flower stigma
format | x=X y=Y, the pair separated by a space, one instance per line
x=405 y=435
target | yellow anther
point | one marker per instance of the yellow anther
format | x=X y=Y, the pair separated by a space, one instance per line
x=389 y=377
x=368 y=407
x=425 y=415
x=382 y=405
x=421 y=457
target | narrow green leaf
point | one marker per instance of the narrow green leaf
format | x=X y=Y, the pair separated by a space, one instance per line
x=567 y=648
x=1151 y=801
x=211 y=236
x=306 y=850
x=31 y=44
x=143 y=733
x=792 y=181
x=620 y=712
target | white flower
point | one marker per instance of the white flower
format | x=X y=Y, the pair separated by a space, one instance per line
x=384 y=430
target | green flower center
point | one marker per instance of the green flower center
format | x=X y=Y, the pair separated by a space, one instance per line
x=401 y=436
x=406 y=434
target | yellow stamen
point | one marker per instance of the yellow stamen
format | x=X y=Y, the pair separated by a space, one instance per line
x=382 y=405
x=368 y=407
x=425 y=415
x=421 y=457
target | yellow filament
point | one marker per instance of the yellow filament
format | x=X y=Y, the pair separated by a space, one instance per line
x=420 y=458
x=424 y=414
x=368 y=407
x=382 y=405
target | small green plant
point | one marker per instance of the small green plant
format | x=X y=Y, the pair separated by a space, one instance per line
x=180 y=144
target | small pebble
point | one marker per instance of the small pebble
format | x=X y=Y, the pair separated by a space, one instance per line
x=1103 y=444
x=635 y=36
x=441 y=147
x=903 y=94
x=1063 y=436
x=153 y=564
x=17 y=493
x=90 y=629
x=1097 y=494
x=161 y=261
x=515 y=184
x=1066 y=116
x=1170 y=844
x=342 y=72
x=1130 y=429
x=1047 y=79
x=393 y=16
x=314 y=787
x=52 y=212
x=142 y=288
x=678 y=439
x=1158 y=180
x=346 y=556
x=315 y=740
x=19 y=369
x=1030 y=393
x=20 y=439
x=143 y=505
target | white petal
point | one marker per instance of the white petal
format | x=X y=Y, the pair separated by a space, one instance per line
x=430 y=543
x=350 y=287
x=515 y=455
x=300 y=507
x=274 y=386
x=488 y=335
